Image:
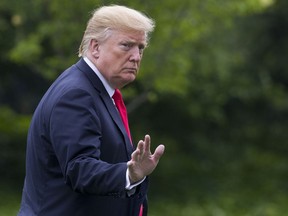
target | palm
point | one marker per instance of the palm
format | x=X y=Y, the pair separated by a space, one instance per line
x=143 y=162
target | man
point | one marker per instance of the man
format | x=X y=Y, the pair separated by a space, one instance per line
x=80 y=158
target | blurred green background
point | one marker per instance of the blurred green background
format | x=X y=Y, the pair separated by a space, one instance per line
x=213 y=87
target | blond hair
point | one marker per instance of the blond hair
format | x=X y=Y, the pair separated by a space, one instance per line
x=114 y=17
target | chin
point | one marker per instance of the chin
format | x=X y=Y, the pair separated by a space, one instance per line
x=127 y=81
x=131 y=77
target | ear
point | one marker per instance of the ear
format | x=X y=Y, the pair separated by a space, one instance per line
x=94 y=48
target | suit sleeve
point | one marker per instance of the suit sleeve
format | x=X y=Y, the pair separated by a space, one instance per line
x=75 y=133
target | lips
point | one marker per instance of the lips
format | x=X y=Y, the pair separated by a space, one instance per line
x=131 y=70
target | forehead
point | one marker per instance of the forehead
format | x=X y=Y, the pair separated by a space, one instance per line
x=129 y=36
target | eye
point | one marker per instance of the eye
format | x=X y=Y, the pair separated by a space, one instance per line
x=141 y=48
x=126 y=45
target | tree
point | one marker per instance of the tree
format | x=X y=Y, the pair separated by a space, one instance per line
x=223 y=62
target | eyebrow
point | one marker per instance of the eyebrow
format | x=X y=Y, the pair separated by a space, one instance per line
x=133 y=42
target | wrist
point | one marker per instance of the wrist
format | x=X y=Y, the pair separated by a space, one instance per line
x=132 y=178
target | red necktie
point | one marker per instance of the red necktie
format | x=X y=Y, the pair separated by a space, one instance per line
x=117 y=97
x=141 y=211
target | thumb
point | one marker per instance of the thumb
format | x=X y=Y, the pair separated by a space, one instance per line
x=159 y=151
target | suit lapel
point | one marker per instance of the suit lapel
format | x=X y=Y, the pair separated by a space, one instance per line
x=96 y=82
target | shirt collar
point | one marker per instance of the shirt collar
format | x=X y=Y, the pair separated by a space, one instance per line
x=108 y=88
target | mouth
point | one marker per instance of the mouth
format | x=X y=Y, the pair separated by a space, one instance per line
x=131 y=70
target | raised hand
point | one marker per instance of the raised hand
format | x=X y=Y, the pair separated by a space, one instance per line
x=143 y=162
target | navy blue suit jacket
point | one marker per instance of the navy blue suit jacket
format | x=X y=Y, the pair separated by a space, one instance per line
x=77 y=151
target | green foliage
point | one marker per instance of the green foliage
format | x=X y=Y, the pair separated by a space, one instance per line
x=13 y=130
x=9 y=201
x=212 y=87
x=12 y=125
x=222 y=206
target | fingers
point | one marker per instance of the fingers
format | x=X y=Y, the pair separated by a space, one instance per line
x=139 y=152
x=140 y=146
x=142 y=162
x=143 y=150
x=147 y=142
x=144 y=147
x=135 y=155
x=159 y=151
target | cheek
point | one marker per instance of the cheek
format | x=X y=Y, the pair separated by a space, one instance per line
x=119 y=61
x=112 y=58
x=107 y=61
x=114 y=62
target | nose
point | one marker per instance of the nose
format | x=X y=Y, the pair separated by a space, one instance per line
x=136 y=54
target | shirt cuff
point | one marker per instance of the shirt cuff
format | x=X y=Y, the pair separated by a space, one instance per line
x=130 y=186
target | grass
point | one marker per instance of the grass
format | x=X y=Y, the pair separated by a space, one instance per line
x=223 y=205
x=9 y=201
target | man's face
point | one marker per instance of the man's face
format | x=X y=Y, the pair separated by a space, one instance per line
x=119 y=57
